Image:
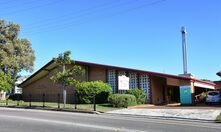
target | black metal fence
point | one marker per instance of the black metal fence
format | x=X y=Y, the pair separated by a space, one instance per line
x=51 y=101
x=54 y=101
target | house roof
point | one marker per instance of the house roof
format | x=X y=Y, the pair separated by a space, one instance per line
x=218 y=73
x=50 y=65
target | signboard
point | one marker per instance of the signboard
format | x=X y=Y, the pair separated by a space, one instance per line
x=123 y=82
x=185 y=95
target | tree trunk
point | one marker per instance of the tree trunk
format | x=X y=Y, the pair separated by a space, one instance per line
x=64 y=88
x=64 y=96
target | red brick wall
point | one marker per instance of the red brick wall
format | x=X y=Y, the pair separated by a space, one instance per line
x=51 y=90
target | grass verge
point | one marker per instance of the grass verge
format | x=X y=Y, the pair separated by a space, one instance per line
x=54 y=106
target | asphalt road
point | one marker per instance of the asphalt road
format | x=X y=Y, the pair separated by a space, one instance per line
x=19 y=120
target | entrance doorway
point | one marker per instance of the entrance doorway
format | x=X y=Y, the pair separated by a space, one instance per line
x=173 y=94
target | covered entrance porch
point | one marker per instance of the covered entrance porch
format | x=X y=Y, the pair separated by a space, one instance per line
x=165 y=90
x=168 y=90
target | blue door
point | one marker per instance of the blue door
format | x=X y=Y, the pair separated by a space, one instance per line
x=185 y=95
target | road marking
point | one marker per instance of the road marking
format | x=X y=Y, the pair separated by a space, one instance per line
x=72 y=124
x=169 y=122
x=120 y=117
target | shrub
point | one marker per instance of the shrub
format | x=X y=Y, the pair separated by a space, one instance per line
x=218 y=118
x=201 y=98
x=86 y=90
x=139 y=93
x=122 y=100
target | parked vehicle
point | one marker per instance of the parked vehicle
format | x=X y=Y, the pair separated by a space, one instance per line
x=213 y=97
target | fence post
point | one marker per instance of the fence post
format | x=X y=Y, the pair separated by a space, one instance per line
x=6 y=101
x=17 y=100
x=94 y=101
x=75 y=100
x=58 y=101
x=43 y=99
x=126 y=103
x=30 y=100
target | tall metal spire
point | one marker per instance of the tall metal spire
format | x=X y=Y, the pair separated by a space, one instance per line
x=183 y=31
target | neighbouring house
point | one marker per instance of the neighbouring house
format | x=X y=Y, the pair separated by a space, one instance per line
x=16 y=89
x=218 y=83
x=160 y=88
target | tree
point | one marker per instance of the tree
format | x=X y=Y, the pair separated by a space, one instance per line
x=16 y=54
x=65 y=77
x=5 y=81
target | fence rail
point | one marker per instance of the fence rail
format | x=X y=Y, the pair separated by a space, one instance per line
x=55 y=101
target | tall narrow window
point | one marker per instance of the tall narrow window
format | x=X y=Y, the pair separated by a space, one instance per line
x=112 y=79
x=133 y=80
x=144 y=83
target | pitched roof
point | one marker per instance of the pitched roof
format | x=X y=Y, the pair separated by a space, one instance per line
x=50 y=65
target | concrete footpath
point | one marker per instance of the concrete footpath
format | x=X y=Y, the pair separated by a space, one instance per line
x=193 y=114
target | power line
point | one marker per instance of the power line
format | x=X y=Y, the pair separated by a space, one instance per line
x=68 y=14
x=33 y=7
x=114 y=14
x=88 y=13
x=6 y=2
x=19 y=3
x=82 y=13
x=136 y=8
x=60 y=27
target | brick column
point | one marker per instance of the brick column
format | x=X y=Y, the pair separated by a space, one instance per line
x=116 y=77
x=138 y=80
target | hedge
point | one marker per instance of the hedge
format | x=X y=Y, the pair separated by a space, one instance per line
x=218 y=118
x=86 y=90
x=122 y=100
x=139 y=93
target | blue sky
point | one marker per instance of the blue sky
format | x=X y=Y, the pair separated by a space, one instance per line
x=142 y=34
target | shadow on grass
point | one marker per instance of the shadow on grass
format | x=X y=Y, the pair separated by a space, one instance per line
x=105 y=105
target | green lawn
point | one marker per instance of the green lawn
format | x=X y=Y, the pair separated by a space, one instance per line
x=48 y=105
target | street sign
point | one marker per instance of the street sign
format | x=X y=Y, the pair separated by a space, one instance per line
x=123 y=82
